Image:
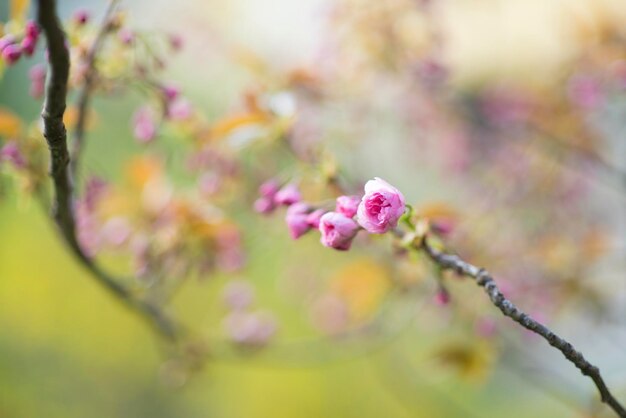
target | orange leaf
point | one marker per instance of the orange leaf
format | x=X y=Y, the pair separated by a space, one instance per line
x=19 y=9
x=10 y=124
x=140 y=170
x=226 y=126
x=362 y=284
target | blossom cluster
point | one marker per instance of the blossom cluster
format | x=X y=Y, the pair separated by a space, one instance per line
x=13 y=48
x=376 y=212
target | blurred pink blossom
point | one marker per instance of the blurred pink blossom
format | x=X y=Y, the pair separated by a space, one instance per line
x=337 y=230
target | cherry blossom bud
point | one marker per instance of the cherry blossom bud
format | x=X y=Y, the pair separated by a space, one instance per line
x=179 y=109
x=269 y=188
x=313 y=218
x=81 y=17
x=170 y=92
x=209 y=183
x=337 y=230
x=10 y=152
x=442 y=226
x=11 y=53
x=297 y=220
x=288 y=195
x=126 y=36
x=31 y=30
x=442 y=297
x=381 y=207
x=94 y=190
x=144 y=125
x=264 y=205
x=347 y=205
x=176 y=42
x=28 y=45
x=6 y=40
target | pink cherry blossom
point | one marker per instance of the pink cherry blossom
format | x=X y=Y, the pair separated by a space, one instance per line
x=10 y=152
x=144 y=125
x=81 y=17
x=11 y=53
x=337 y=230
x=313 y=218
x=31 y=30
x=347 y=205
x=288 y=195
x=28 y=45
x=381 y=207
x=269 y=188
x=264 y=205
x=179 y=109
x=296 y=220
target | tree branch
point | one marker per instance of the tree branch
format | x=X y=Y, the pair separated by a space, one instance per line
x=56 y=138
x=84 y=95
x=484 y=279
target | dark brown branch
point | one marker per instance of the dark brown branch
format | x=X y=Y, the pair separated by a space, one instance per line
x=56 y=137
x=484 y=279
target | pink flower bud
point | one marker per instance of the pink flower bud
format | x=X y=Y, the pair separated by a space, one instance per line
x=264 y=205
x=179 y=109
x=442 y=297
x=126 y=36
x=144 y=125
x=381 y=207
x=209 y=183
x=170 y=92
x=37 y=72
x=28 y=45
x=313 y=218
x=337 y=230
x=95 y=188
x=297 y=220
x=6 y=40
x=288 y=195
x=348 y=205
x=11 y=53
x=10 y=152
x=442 y=226
x=176 y=42
x=31 y=30
x=81 y=17
x=269 y=188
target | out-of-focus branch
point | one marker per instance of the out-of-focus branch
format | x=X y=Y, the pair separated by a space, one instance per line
x=84 y=95
x=484 y=279
x=56 y=137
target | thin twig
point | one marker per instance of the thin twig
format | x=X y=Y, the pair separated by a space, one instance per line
x=56 y=137
x=484 y=279
x=84 y=95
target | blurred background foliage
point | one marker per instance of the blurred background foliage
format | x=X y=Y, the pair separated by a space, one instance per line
x=67 y=349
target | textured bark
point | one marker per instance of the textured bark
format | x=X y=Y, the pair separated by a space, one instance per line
x=484 y=279
x=56 y=138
